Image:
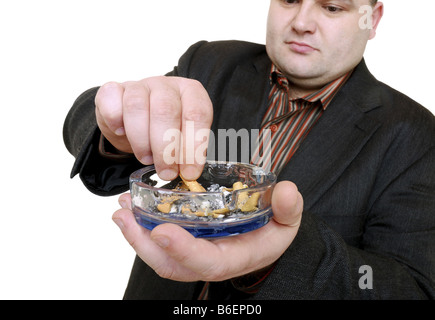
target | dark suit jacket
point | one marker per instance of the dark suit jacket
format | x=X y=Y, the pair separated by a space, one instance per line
x=366 y=172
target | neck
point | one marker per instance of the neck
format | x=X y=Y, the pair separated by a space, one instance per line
x=299 y=91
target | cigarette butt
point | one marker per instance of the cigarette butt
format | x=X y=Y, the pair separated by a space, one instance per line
x=243 y=196
x=181 y=186
x=251 y=203
x=220 y=211
x=193 y=185
x=187 y=210
x=164 y=207
x=200 y=214
x=238 y=185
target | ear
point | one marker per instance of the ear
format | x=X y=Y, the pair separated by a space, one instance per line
x=378 y=12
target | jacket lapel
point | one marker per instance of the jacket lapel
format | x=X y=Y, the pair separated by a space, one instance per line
x=242 y=108
x=332 y=143
x=336 y=139
x=246 y=101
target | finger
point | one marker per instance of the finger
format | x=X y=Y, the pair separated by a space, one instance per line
x=201 y=257
x=287 y=204
x=132 y=231
x=225 y=258
x=165 y=126
x=124 y=218
x=197 y=117
x=231 y=257
x=151 y=252
x=139 y=238
x=108 y=102
x=136 y=120
x=124 y=201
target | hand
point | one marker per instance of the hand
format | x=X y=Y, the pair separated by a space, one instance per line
x=134 y=117
x=175 y=254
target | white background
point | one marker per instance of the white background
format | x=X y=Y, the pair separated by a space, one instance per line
x=57 y=240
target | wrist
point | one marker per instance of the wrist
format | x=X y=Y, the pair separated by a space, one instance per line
x=108 y=151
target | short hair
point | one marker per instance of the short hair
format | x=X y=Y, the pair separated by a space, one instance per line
x=373 y=2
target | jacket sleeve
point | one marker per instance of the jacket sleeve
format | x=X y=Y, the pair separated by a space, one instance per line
x=100 y=175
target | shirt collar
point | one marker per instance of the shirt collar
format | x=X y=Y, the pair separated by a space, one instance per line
x=324 y=95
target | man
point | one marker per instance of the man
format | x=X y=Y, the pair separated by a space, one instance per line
x=353 y=211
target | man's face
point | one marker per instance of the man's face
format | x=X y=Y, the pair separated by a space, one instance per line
x=316 y=41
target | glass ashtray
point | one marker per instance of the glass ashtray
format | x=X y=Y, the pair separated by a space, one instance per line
x=236 y=199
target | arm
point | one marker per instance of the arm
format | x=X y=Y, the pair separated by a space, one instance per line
x=149 y=245
x=81 y=134
x=315 y=263
x=167 y=249
x=103 y=175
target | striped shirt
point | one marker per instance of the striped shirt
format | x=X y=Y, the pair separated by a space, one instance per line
x=285 y=124
x=288 y=121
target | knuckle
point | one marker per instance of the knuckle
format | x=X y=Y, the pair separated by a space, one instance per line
x=107 y=90
x=109 y=114
x=196 y=84
x=104 y=101
x=200 y=108
x=198 y=114
x=164 y=271
x=165 y=108
x=213 y=273
x=133 y=244
x=109 y=86
x=133 y=103
x=135 y=97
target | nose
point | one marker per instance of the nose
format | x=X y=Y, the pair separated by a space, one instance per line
x=304 y=20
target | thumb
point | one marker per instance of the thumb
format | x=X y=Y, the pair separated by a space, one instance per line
x=287 y=204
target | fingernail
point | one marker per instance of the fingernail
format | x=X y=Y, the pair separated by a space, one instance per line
x=191 y=172
x=120 y=131
x=123 y=204
x=161 y=241
x=168 y=174
x=147 y=160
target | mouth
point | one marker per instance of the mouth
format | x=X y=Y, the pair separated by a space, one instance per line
x=300 y=47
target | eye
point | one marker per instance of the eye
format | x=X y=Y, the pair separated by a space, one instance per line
x=291 y=1
x=333 y=9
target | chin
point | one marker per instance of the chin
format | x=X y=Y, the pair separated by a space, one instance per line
x=300 y=71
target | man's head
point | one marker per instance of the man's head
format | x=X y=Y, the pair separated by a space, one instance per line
x=315 y=41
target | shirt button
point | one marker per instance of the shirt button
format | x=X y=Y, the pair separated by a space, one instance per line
x=274 y=128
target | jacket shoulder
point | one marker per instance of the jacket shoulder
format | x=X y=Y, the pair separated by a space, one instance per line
x=217 y=57
x=409 y=115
